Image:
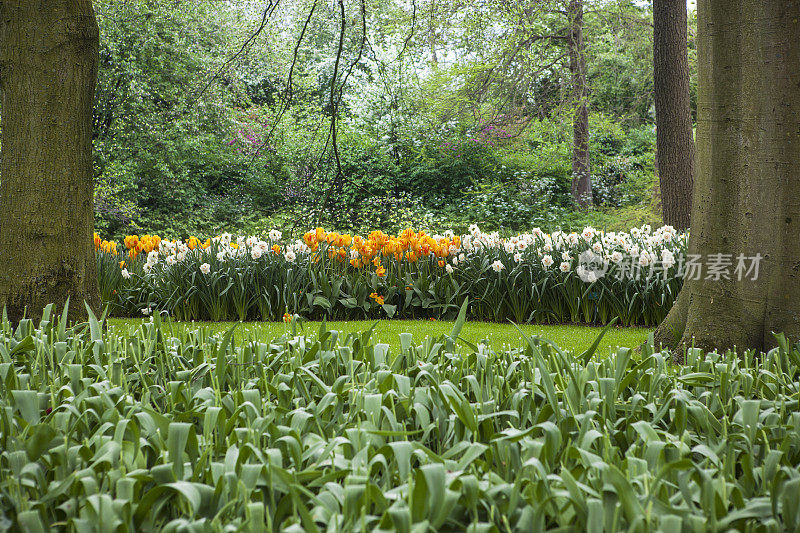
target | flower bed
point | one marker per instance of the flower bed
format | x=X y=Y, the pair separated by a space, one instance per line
x=591 y=277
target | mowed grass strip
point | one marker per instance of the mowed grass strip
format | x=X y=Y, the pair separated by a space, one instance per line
x=572 y=338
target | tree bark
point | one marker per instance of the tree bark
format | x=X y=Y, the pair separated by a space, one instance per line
x=745 y=197
x=48 y=71
x=674 y=138
x=581 y=174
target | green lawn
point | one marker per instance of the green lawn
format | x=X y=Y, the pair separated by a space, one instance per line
x=573 y=338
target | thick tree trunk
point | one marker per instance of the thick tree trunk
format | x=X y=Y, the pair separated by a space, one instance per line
x=674 y=139
x=48 y=72
x=581 y=175
x=745 y=195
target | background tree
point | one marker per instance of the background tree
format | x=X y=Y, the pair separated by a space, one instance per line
x=48 y=71
x=745 y=201
x=449 y=109
x=674 y=137
x=581 y=173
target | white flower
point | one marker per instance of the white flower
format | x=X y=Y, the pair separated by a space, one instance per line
x=152 y=257
x=256 y=253
x=251 y=241
x=547 y=261
x=455 y=260
x=205 y=268
x=591 y=277
x=667 y=258
x=597 y=247
x=181 y=256
x=509 y=247
x=146 y=311
x=547 y=247
x=171 y=260
x=564 y=267
x=616 y=257
x=461 y=257
x=498 y=266
x=517 y=257
x=289 y=256
x=645 y=258
x=125 y=273
x=572 y=239
x=221 y=256
x=588 y=233
x=147 y=267
x=448 y=269
x=354 y=254
x=565 y=256
x=275 y=235
x=522 y=246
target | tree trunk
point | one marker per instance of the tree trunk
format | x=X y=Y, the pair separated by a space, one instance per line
x=581 y=175
x=674 y=139
x=48 y=72
x=745 y=197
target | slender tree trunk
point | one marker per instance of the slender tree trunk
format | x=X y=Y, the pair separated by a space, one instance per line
x=581 y=175
x=674 y=139
x=745 y=197
x=48 y=72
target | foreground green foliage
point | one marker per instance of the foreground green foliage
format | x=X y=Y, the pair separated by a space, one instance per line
x=197 y=432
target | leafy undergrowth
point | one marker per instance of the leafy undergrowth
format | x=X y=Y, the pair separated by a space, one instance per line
x=200 y=432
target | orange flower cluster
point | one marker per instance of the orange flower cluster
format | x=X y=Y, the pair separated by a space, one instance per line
x=378 y=299
x=409 y=245
x=194 y=243
x=109 y=247
x=146 y=244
